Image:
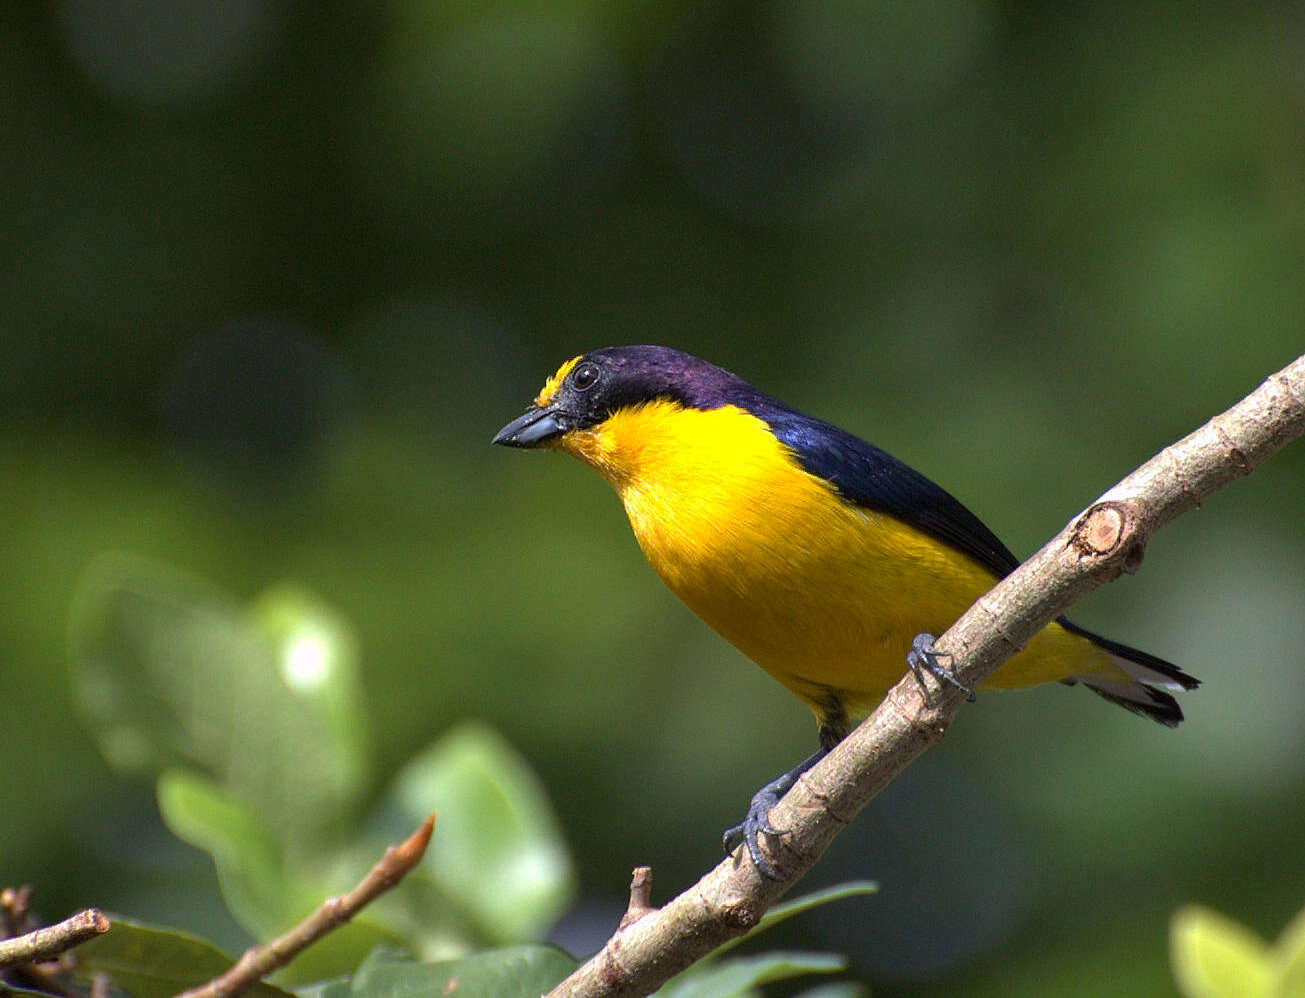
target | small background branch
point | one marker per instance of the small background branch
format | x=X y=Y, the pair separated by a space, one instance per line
x=52 y=941
x=1105 y=540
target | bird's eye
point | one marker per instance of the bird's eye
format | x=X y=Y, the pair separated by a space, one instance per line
x=584 y=376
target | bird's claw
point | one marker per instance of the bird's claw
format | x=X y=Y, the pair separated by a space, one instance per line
x=755 y=824
x=757 y=821
x=924 y=657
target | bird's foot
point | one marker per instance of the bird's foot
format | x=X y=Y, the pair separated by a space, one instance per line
x=924 y=657
x=755 y=824
x=757 y=821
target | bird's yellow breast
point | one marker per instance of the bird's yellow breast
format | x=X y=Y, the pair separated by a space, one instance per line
x=823 y=594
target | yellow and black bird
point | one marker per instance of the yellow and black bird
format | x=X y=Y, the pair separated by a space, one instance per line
x=822 y=558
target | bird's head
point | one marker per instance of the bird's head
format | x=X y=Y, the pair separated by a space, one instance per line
x=579 y=400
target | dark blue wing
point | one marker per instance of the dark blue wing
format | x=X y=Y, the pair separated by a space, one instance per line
x=865 y=475
x=861 y=472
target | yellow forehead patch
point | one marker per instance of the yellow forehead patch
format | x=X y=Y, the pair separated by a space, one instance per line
x=550 y=386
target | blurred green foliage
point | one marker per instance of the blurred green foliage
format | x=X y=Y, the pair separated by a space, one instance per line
x=273 y=274
x=252 y=722
x=1215 y=957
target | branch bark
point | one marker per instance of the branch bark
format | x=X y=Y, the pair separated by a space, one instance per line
x=49 y=942
x=1105 y=540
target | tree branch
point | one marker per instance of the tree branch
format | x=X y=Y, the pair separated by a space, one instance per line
x=259 y=961
x=1108 y=538
x=44 y=944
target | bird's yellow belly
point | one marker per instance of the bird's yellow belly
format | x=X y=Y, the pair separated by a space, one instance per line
x=824 y=595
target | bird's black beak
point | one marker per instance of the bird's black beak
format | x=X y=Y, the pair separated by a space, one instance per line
x=536 y=427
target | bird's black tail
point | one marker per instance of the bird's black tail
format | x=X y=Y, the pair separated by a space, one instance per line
x=1145 y=691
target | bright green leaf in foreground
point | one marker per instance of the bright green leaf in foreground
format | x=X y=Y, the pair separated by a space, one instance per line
x=250 y=864
x=265 y=897
x=498 y=851
x=151 y=962
x=1288 y=958
x=1215 y=957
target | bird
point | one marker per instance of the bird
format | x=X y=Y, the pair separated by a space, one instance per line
x=824 y=559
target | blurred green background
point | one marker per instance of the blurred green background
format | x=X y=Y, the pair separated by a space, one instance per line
x=272 y=274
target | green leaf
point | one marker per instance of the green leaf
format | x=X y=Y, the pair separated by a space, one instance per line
x=525 y=971
x=262 y=895
x=250 y=864
x=782 y=913
x=740 y=974
x=796 y=906
x=1215 y=957
x=170 y=672
x=339 y=988
x=1288 y=959
x=152 y=962
x=776 y=915
x=840 y=989
x=318 y=660
x=498 y=852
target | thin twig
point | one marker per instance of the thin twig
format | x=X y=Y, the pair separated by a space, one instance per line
x=259 y=961
x=1106 y=539
x=15 y=907
x=44 y=944
x=640 y=896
